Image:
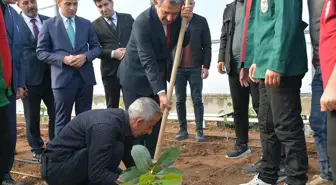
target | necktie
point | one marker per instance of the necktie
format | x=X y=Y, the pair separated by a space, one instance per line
x=71 y=32
x=168 y=35
x=113 y=26
x=35 y=28
x=245 y=29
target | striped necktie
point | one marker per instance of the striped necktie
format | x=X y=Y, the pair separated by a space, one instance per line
x=113 y=26
x=71 y=32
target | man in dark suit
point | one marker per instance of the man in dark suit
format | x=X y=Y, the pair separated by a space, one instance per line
x=69 y=43
x=143 y=71
x=12 y=21
x=114 y=30
x=194 y=66
x=90 y=148
x=38 y=81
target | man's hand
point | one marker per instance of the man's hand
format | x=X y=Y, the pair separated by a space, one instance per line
x=78 y=61
x=164 y=102
x=68 y=60
x=205 y=73
x=119 y=53
x=272 y=79
x=252 y=71
x=244 y=77
x=187 y=11
x=20 y=93
x=328 y=99
x=221 y=67
x=120 y=180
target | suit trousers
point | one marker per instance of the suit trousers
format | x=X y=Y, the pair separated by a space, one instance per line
x=32 y=108
x=4 y=138
x=112 y=91
x=11 y=145
x=240 y=101
x=147 y=140
x=284 y=104
x=75 y=92
x=332 y=141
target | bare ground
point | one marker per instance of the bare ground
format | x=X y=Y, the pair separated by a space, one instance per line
x=202 y=163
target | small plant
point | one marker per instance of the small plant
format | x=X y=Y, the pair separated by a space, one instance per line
x=147 y=172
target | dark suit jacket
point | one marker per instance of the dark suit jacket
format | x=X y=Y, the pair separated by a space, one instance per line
x=200 y=42
x=34 y=68
x=12 y=21
x=54 y=44
x=146 y=54
x=112 y=40
x=98 y=131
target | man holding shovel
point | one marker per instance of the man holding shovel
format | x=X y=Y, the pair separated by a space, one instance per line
x=143 y=71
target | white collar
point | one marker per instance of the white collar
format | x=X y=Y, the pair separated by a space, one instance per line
x=28 y=19
x=65 y=19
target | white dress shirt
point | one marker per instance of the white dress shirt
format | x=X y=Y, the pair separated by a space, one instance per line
x=30 y=24
x=114 y=19
x=66 y=22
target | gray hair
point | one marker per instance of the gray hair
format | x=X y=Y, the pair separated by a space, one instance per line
x=145 y=108
x=170 y=1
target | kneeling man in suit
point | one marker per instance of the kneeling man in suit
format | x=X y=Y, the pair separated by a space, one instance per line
x=91 y=146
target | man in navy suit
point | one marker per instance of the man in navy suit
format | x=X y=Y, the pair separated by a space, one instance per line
x=69 y=43
x=143 y=71
x=12 y=21
x=38 y=79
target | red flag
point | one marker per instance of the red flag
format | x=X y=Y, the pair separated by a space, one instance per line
x=5 y=52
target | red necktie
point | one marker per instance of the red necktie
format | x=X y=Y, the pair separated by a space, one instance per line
x=245 y=29
x=168 y=35
x=5 y=52
x=35 y=28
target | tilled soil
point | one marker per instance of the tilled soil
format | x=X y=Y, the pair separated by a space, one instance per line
x=203 y=163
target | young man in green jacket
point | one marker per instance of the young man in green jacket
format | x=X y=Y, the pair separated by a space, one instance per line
x=279 y=64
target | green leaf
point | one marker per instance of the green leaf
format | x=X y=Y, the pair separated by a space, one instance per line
x=155 y=169
x=172 y=179
x=131 y=175
x=147 y=178
x=169 y=157
x=141 y=157
x=167 y=171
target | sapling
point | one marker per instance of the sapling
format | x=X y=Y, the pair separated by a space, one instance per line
x=147 y=172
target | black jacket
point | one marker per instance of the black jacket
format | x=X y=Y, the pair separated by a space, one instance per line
x=35 y=69
x=226 y=39
x=96 y=131
x=112 y=40
x=144 y=67
x=200 y=42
